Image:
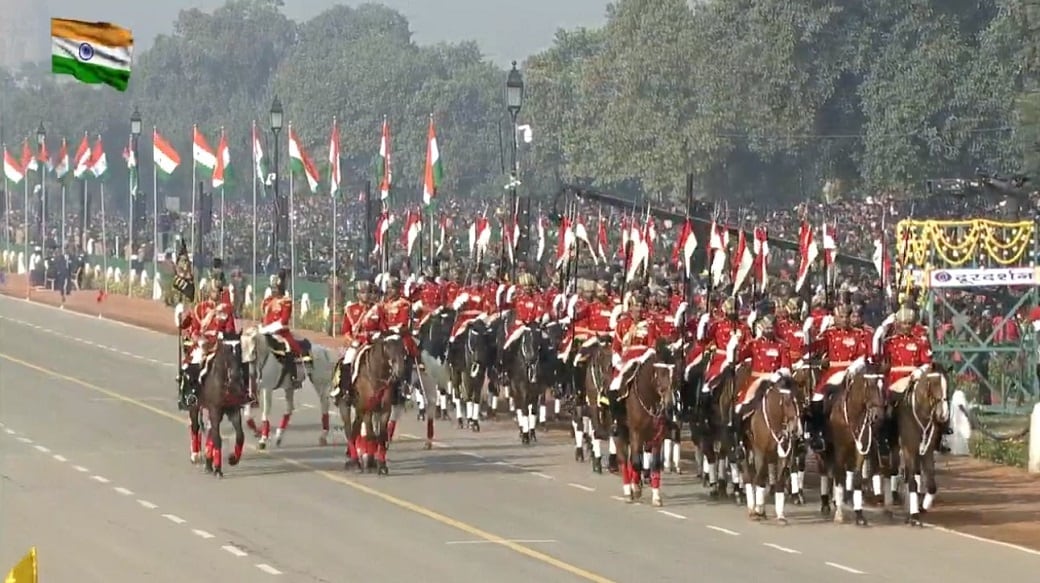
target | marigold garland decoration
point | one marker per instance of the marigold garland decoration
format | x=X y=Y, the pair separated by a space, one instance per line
x=950 y=244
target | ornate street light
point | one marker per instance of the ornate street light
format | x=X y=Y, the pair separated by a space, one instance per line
x=514 y=92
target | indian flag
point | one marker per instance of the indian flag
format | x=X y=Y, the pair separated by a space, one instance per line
x=92 y=52
x=334 y=172
x=434 y=172
x=220 y=174
x=384 y=167
x=202 y=152
x=259 y=168
x=98 y=160
x=13 y=171
x=166 y=158
x=301 y=162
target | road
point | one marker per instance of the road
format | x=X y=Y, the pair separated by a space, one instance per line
x=94 y=459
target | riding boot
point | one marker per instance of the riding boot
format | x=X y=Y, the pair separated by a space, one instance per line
x=182 y=380
x=189 y=383
x=817 y=421
x=345 y=374
x=736 y=428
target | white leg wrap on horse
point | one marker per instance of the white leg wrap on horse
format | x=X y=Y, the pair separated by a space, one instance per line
x=749 y=493
x=706 y=466
x=839 y=496
x=494 y=402
x=848 y=479
x=541 y=413
x=914 y=508
x=648 y=460
x=655 y=495
x=675 y=454
x=888 y=494
x=364 y=430
x=893 y=484
x=579 y=439
x=796 y=484
x=825 y=485
x=597 y=448
x=760 y=496
x=458 y=409
x=442 y=401
x=734 y=473
x=875 y=481
x=666 y=451
x=778 y=501
x=929 y=499
x=919 y=482
x=612 y=447
x=627 y=489
x=532 y=423
x=556 y=406
x=520 y=419
x=713 y=472
x=857 y=499
x=512 y=404
x=586 y=423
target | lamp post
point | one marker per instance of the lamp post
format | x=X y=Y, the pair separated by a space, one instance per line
x=135 y=179
x=41 y=139
x=280 y=216
x=515 y=101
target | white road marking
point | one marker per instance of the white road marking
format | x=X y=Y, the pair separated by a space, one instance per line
x=42 y=449
x=234 y=550
x=841 y=567
x=123 y=491
x=986 y=540
x=672 y=514
x=147 y=504
x=60 y=458
x=782 y=549
x=722 y=530
x=619 y=498
x=581 y=487
x=100 y=479
x=543 y=475
x=268 y=569
x=9 y=431
x=80 y=469
x=174 y=518
x=496 y=542
x=202 y=533
x=24 y=439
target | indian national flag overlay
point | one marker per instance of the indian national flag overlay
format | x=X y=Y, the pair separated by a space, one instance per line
x=92 y=52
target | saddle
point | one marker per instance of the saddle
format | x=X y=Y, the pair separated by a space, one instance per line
x=280 y=348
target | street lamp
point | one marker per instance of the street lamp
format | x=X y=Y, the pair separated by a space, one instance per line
x=514 y=102
x=280 y=211
x=41 y=140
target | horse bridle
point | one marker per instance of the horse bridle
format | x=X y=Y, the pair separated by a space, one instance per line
x=865 y=427
x=781 y=451
x=927 y=430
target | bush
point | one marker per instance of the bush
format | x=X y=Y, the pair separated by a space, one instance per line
x=1010 y=452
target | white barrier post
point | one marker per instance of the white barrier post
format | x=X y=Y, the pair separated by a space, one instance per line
x=1034 y=440
x=960 y=424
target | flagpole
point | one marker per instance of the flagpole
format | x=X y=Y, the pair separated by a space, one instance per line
x=25 y=229
x=130 y=234
x=193 y=183
x=223 y=219
x=292 y=241
x=155 y=214
x=104 y=239
x=64 y=241
x=252 y=148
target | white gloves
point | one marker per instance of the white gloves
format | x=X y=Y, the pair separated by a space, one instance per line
x=616 y=360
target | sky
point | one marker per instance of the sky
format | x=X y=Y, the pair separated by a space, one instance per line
x=504 y=29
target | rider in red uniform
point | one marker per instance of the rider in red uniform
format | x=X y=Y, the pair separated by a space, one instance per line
x=841 y=346
x=277 y=312
x=634 y=340
x=204 y=324
x=362 y=320
x=723 y=337
x=770 y=360
x=398 y=313
x=469 y=304
x=789 y=330
x=528 y=308
x=579 y=314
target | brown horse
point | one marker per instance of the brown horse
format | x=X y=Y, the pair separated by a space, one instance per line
x=644 y=422
x=716 y=440
x=805 y=377
x=920 y=414
x=223 y=393
x=593 y=418
x=770 y=434
x=853 y=427
x=366 y=408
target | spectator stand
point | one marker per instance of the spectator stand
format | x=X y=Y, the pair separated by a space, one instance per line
x=979 y=282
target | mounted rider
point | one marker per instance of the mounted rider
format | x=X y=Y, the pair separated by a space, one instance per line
x=469 y=305
x=277 y=311
x=204 y=324
x=789 y=330
x=770 y=361
x=846 y=354
x=578 y=319
x=635 y=338
x=721 y=338
x=398 y=313
x=363 y=319
x=528 y=308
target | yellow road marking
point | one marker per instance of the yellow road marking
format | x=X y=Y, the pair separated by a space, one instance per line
x=398 y=502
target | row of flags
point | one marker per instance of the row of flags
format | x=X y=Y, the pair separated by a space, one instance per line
x=216 y=162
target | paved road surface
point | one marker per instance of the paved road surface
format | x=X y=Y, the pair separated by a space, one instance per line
x=95 y=473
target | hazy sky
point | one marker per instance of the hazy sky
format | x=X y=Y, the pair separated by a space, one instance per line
x=505 y=29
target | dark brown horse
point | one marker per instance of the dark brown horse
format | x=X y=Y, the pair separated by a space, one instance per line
x=644 y=422
x=716 y=440
x=770 y=434
x=920 y=415
x=853 y=428
x=366 y=408
x=593 y=418
x=222 y=394
x=805 y=377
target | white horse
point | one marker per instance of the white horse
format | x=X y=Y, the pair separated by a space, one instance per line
x=269 y=374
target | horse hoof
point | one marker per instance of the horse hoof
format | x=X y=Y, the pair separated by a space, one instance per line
x=278 y=442
x=194 y=458
x=460 y=423
x=914 y=520
x=218 y=473
x=383 y=470
x=657 y=502
x=799 y=500
x=323 y=441
x=839 y=518
x=262 y=445
x=233 y=461
x=861 y=520
x=781 y=521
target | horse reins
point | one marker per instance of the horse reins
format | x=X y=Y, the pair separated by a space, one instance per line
x=865 y=427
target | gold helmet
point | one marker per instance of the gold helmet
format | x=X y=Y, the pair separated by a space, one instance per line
x=766 y=324
x=527 y=280
x=729 y=306
x=794 y=306
x=906 y=315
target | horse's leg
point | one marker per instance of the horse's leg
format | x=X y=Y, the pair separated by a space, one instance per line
x=266 y=398
x=195 y=434
x=324 y=407
x=578 y=427
x=596 y=436
x=290 y=400
x=215 y=417
x=760 y=477
x=858 y=479
x=382 y=439
x=346 y=417
x=373 y=431
x=521 y=423
x=824 y=468
x=235 y=416
x=625 y=467
x=928 y=475
x=656 y=470
x=911 y=462
x=636 y=460
x=783 y=476
x=532 y=421
x=838 y=478
x=471 y=395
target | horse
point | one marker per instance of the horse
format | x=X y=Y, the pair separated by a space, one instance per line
x=770 y=434
x=919 y=415
x=434 y=331
x=592 y=417
x=853 y=424
x=522 y=368
x=716 y=439
x=271 y=368
x=367 y=406
x=223 y=392
x=806 y=375
x=645 y=398
x=468 y=365
x=681 y=409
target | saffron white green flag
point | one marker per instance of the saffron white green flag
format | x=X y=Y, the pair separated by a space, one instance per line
x=92 y=52
x=301 y=162
x=166 y=158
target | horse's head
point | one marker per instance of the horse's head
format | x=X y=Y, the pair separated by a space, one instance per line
x=227 y=361
x=396 y=356
x=863 y=389
x=479 y=345
x=666 y=379
x=784 y=394
x=804 y=380
x=529 y=351
x=929 y=396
